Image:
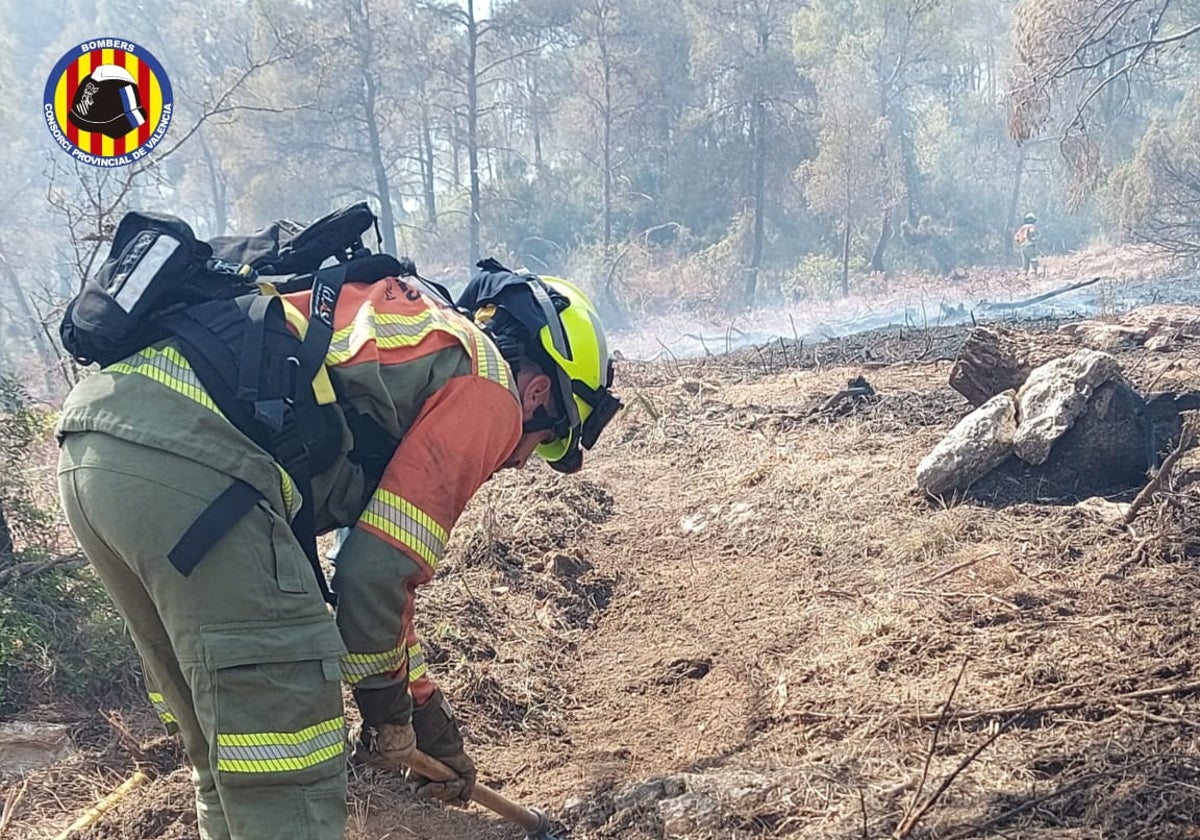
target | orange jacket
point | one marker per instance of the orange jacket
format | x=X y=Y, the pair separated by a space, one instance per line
x=438 y=384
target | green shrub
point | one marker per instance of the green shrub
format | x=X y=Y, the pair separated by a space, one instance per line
x=61 y=640
x=816 y=275
x=60 y=637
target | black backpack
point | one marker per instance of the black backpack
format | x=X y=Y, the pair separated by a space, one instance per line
x=159 y=281
x=157 y=267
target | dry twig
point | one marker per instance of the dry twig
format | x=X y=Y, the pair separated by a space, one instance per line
x=31 y=568
x=1069 y=706
x=958 y=567
x=103 y=806
x=10 y=806
x=913 y=814
x=913 y=820
x=1187 y=439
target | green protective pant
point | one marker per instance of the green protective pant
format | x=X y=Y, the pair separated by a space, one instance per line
x=243 y=652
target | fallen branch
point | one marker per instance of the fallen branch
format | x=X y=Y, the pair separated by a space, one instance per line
x=973 y=715
x=1135 y=557
x=35 y=567
x=958 y=567
x=645 y=403
x=909 y=824
x=670 y=355
x=1018 y=304
x=936 y=593
x=1068 y=706
x=1153 y=718
x=979 y=829
x=912 y=814
x=844 y=395
x=1187 y=439
x=103 y=806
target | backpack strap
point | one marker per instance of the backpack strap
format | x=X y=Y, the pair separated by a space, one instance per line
x=252 y=350
x=216 y=520
x=326 y=286
x=267 y=419
x=271 y=424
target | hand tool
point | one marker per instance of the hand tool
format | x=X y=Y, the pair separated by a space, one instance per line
x=535 y=822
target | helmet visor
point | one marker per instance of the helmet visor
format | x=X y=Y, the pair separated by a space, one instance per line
x=603 y=412
x=555 y=450
x=602 y=407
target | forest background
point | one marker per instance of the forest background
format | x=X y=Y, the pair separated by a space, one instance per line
x=666 y=155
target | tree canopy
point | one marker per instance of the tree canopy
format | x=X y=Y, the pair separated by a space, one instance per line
x=613 y=140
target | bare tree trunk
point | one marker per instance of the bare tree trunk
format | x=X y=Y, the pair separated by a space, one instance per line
x=1015 y=197
x=428 y=183
x=456 y=155
x=217 y=187
x=473 y=128
x=912 y=176
x=387 y=220
x=362 y=31
x=760 y=193
x=846 y=259
x=991 y=59
x=6 y=540
x=606 y=70
x=760 y=176
x=536 y=108
x=886 y=233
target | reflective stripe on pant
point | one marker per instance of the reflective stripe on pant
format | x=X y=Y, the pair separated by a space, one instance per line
x=243 y=653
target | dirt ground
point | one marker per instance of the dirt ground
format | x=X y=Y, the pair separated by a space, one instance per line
x=742 y=620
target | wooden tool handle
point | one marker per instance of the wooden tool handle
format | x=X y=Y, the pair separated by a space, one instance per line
x=532 y=821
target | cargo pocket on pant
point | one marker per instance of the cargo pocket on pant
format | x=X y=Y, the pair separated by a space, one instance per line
x=277 y=701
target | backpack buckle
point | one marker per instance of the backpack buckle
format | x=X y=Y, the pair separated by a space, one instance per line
x=271 y=413
x=293 y=363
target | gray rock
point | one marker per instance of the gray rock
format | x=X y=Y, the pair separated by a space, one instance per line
x=640 y=796
x=736 y=791
x=28 y=745
x=684 y=815
x=585 y=812
x=978 y=444
x=1053 y=396
x=565 y=566
x=674 y=786
x=1106 y=337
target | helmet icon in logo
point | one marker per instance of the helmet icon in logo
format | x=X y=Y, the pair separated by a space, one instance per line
x=108 y=102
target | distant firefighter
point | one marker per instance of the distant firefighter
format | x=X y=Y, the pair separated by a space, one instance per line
x=1025 y=240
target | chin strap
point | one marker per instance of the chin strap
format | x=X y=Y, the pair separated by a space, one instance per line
x=541 y=421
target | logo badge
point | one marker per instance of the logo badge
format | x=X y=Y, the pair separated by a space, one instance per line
x=108 y=102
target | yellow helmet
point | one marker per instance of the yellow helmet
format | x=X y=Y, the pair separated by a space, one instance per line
x=575 y=342
x=569 y=345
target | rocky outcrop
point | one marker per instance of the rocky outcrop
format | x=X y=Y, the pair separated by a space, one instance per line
x=978 y=444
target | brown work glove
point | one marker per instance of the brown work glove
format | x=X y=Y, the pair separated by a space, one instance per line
x=384 y=747
x=438 y=736
x=385 y=739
